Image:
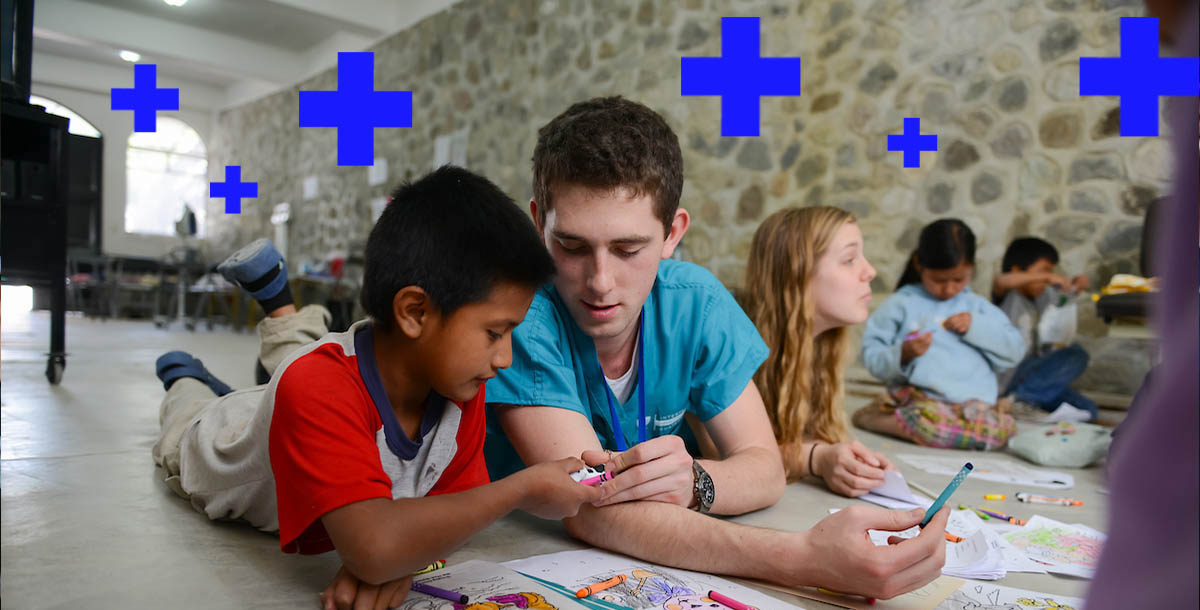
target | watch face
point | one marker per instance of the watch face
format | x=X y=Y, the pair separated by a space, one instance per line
x=708 y=493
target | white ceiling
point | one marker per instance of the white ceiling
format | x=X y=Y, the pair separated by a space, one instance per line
x=238 y=49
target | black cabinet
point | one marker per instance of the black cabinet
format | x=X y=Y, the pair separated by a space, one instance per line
x=33 y=212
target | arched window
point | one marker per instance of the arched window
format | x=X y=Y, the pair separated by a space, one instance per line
x=78 y=125
x=164 y=171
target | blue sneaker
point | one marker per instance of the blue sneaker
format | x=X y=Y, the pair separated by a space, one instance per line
x=173 y=366
x=258 y=268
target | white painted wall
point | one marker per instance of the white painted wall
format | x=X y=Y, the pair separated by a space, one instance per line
x=85 y=88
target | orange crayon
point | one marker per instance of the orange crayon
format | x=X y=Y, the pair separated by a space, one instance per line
x=952 y=538
x=600 y=586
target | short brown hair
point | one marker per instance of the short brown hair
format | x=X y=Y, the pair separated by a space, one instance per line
x=608 y=143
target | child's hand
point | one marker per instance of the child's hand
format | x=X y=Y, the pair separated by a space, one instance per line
x=850 y=469
x=347 y=592
x=1058 y=281
x=549 y=492
x=916 y=347
x=959 y=323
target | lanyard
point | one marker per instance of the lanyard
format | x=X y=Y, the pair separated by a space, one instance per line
x=641 y=388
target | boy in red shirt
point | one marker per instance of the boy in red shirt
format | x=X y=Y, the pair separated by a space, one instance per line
x=370 y=441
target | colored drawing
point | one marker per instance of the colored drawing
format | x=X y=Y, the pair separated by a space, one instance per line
x=488 y=586
x=1064 y=548
x=981 y=596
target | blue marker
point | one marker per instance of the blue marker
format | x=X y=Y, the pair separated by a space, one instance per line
x=946 y=493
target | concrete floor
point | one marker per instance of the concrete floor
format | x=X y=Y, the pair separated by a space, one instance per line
x=87 y=521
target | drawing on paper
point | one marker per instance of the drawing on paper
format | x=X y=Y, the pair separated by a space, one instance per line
x=980 y=596
x=1058 y=545
x=649 y=588
x=487 y=586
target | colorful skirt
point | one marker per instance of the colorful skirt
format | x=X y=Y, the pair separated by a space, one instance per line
x=931 y=422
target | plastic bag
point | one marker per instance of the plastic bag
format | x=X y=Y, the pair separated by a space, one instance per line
x=1064 y=445
x=1057 y=326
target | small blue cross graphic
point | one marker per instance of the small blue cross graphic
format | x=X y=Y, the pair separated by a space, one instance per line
x=356 y=109
x=912 y=142
x=740 y=76
x=233 y=190
x=145 y=98
x=1139 y=76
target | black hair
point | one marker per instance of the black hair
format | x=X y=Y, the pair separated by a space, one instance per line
x=944 y=244
x=454 y=234
x=1025 y=251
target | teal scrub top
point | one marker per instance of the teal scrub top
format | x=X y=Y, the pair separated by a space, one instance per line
x=701 y=351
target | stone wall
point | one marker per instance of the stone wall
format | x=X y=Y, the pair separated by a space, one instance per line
x=997 y=80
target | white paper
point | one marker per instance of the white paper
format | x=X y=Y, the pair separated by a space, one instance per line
x=974 y=557
x=309 y=187
x=992 y=469
x=483 y=582
x=987 y=596
x=450 y=149
x=1064 y=549
x=895 y=494
x=648 y=586
x=377 y=173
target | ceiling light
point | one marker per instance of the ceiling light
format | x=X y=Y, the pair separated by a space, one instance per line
x=130 y=56
x=175 y=2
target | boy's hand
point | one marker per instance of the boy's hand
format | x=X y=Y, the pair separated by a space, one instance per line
x=916 y=347
x=959 y=323
x=347 y=592
x=851 y=563
x=1058 y=281
x=549 y=492
x=850 y=469
x=659 y=469
x=1081 y=283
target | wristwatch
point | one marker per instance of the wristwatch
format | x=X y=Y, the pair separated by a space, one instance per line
x=703 y=491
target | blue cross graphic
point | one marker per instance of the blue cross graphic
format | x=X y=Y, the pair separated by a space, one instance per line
x=740 y=76
x=233 y=190
x=912 y=142
x=145 y=98
x=356 y=109
x=1139 y=76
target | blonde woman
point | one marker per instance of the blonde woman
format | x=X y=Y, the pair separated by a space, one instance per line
x=807 y=280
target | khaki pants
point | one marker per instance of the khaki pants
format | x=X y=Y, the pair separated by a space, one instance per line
x=188 y=398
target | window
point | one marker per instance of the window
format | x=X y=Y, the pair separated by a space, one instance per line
x=164 y=171
x=78 y=125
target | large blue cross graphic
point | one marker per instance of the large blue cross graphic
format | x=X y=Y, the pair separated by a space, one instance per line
x=1139 y=76
x=912 y=142
x=233 y=190
x=145 y=99
x=356 y=109
x=740 y=76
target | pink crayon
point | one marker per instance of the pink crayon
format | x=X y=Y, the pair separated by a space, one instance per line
x=596 y=480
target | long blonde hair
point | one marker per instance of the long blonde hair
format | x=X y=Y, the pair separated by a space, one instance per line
x=801 y=381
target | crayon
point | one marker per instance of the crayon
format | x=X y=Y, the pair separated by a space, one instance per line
x=952 y=538
x=945 y=495
x=994 y=496
x=596 y=480
x=729 y=602
x=977 y=512
x=442 y=593
x=1032 y=499
x=437 y=565
x=600 y=586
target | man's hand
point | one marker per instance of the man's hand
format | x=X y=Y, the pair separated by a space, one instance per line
x=849 y=562
x=958 y=323
x=347 y=592
x=659 y=469
x=548 y=491
x=850 y=469
x=916 y=347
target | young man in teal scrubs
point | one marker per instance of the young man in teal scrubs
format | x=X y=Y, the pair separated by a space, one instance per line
x=625 y=346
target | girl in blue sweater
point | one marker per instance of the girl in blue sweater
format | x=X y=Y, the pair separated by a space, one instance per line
x=938 y=346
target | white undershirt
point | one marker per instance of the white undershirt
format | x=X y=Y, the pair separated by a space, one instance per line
x=623 y=386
